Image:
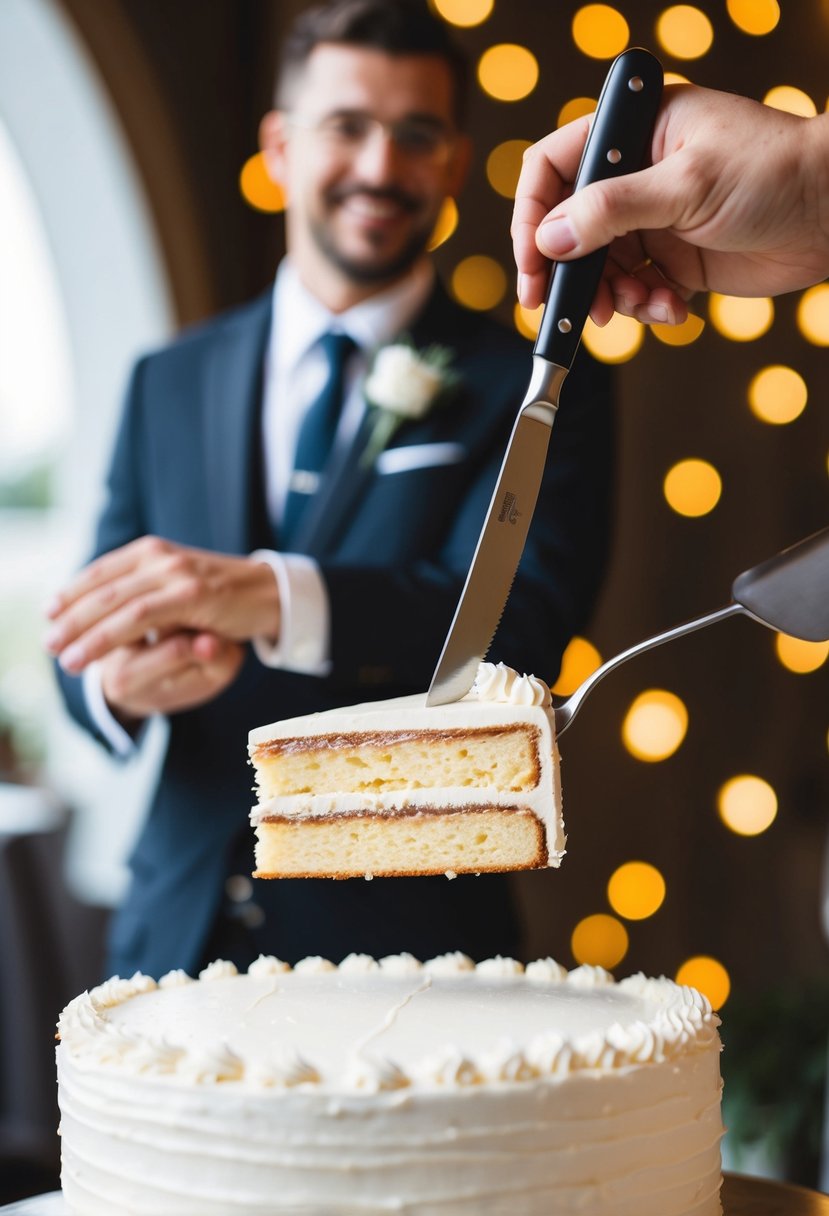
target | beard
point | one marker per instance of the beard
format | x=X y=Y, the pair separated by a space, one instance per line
x=367 y=269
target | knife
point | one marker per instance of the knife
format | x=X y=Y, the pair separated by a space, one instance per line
x=618 y=143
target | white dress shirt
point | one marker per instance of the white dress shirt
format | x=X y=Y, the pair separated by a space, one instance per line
x=294 y=373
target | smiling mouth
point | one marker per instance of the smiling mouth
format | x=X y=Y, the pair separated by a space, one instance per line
x=377 y=207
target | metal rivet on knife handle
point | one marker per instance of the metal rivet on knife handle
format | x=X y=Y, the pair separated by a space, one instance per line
x=565 y=325
x=636 y=84
x=614 y=156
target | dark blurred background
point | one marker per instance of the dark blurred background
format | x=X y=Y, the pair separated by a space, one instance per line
x=185 y=85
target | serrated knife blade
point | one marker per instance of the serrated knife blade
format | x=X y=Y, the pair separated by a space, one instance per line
x=618 y=143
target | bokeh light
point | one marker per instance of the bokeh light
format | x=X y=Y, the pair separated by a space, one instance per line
x=464 y=13
x=580 y=660
x=813 y=315
x=708 y=976
x=777 y=394
x=527 y=320
x=445 y=224
x=793 y=101
x=258 y=187
x=754 y=16
x=739 y=318
x=503 y=165
x=615 y=342
x=684 y=31
x=508 y=72
x=799 y=656
x=692 y=487
x=636 y=890
x=479 y=282
x=600 y=941
x=747 y=805
x=575 y=108
x=680 y=335
x=600 y=31
x=655 y=725
x=675 y=78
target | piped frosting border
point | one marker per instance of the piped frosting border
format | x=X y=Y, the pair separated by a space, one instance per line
x=684 y=1022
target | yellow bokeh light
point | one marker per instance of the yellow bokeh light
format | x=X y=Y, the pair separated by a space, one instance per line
x=503 y=165
x=684 y=31
x=680 y=335
x=258 y=187
x=508 y=72
x=754 y=16
x=813 y=315
x=464 y=13
x=600 y=31
x=580 y=660
x=777 y=394
x=708 y=976
x=739 y=318
x=793 y=101
x=577 y=107
x=479 y=282
x=655 y=725
x=527 y=320
x=747 y=805
x=615 y=342
x=676 y=78
x=692 y=488
x=599 y=941
x=636 y=890
x=799 y=656
x=445 y=224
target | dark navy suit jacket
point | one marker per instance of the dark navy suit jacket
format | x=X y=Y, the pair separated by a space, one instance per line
x=186 y=467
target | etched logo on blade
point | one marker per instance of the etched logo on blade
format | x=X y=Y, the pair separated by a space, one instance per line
x=509 y=509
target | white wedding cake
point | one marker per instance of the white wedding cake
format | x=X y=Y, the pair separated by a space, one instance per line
x=439 y=1089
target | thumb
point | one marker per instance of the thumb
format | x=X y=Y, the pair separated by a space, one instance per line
x=597 y=214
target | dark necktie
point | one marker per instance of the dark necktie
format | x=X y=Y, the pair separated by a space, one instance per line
x=316 y=434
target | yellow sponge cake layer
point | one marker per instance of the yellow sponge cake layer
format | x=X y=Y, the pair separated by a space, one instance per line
x=501 y=758
x=473 y=840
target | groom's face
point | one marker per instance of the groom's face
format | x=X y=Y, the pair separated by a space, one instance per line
x=367 y=152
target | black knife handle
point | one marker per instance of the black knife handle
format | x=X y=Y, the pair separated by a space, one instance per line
x=623 y=124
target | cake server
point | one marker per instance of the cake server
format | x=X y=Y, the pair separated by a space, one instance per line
x=789 y=592
x=618 y=142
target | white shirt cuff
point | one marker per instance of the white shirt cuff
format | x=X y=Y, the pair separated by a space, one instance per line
x=304 y=612
x=119 y=740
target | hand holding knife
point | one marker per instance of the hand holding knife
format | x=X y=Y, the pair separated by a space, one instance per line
x=618 y=143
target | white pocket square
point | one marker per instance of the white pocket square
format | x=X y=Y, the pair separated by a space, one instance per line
x=419 y=456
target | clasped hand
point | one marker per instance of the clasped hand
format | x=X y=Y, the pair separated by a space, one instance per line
x=167 y=622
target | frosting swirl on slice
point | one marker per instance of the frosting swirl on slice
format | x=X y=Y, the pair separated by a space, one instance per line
x=497 y=682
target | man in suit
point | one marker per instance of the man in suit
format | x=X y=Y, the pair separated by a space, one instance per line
x=238 y=579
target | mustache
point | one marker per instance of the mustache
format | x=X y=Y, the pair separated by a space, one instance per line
x=385 y=194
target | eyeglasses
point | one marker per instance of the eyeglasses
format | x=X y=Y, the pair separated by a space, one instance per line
x=347 y=131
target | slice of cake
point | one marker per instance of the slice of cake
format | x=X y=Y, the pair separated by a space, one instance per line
x=437 y=1090
x=398 y=787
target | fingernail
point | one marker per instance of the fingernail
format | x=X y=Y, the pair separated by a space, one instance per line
x=72 y=658
x=557 y=237
x=53 y=606
x=53 y=640
x=522 y=279
x=661 y=314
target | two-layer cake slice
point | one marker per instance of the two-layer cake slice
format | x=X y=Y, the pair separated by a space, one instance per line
x=396 y=787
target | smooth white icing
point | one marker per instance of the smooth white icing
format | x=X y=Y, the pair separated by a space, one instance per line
x=499 y=697
x=428 y=1090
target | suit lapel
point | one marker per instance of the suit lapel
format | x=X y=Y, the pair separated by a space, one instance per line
x=234 y=393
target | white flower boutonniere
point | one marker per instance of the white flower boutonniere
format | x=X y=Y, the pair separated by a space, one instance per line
x=404 y=384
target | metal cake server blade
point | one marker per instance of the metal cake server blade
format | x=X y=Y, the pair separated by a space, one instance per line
x=789 y=592
x=618 y=143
